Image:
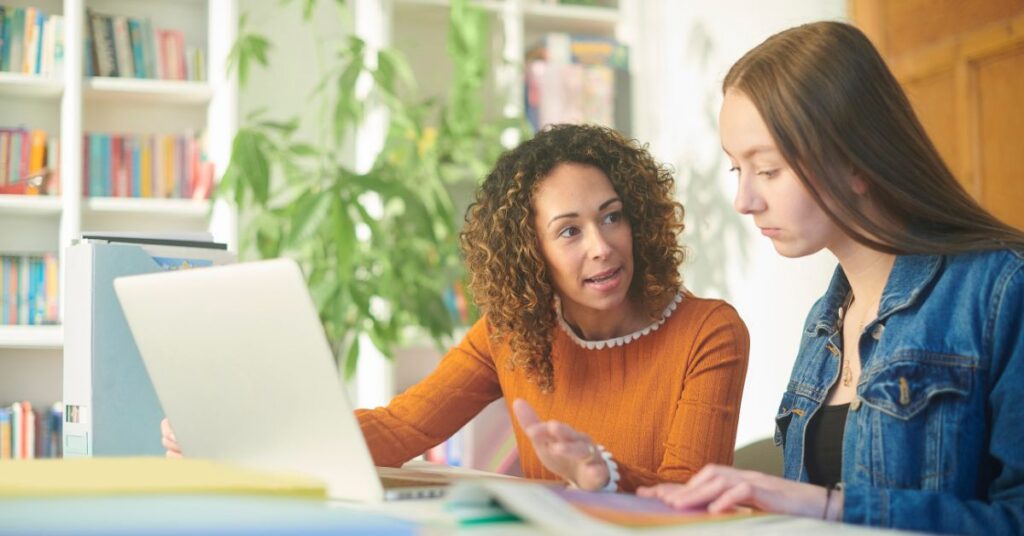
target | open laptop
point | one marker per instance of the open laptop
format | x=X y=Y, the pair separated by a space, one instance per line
x=244 y=372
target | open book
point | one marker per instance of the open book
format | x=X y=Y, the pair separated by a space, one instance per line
x=570 y=511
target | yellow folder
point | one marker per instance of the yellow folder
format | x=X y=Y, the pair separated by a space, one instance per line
x=120 y=476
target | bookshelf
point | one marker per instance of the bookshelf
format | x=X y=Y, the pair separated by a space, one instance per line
x=419 y=29
x=68 y=104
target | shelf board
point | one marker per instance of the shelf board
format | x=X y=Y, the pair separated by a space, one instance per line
x=186 y=208
x=28 y=85
x=486 y=5
x=39 y=337
x=29 y=204
x=571 y=19
x=147 y=91
x=572 y=14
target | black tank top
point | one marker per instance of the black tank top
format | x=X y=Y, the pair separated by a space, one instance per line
x=824 y=445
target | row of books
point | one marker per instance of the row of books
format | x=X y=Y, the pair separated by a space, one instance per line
x=456 y=451
x=456 y=303
x=145 y=165
x=27 y=433
x=25 y=154
x=28 y=289
x=129 y=47
x=31 y=42
x=578 y=79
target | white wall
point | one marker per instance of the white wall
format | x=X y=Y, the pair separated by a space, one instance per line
x=685 y=50
x=284 y=90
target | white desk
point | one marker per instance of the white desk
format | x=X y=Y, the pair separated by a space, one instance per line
x=432 y=516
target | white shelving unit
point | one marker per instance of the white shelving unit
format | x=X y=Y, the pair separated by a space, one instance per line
x=419 y=29
x=69 y=105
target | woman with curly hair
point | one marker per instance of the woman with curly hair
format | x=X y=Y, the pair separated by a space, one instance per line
x=574 y=261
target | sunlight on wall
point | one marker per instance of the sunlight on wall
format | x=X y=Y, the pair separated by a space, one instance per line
x=683 y=56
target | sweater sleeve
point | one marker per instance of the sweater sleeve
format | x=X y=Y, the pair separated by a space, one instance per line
x=438 y=406
x=703 y=430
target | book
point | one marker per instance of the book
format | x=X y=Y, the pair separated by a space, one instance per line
x=154 y=475
x=123 y=46
x=562 y=510
x=201 y=240
x=5 y=434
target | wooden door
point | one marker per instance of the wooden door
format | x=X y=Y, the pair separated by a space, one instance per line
x=962 y=65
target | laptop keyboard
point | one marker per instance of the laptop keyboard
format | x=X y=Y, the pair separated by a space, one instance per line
x=391 y=482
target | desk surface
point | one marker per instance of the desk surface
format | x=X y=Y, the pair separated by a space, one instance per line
x=193 y=514
x=196 y=514
x=431 y=515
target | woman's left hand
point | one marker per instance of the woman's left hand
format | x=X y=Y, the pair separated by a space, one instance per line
x=720 y=489
x=569 y=454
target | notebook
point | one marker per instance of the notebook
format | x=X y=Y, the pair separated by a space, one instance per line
x=243 y=370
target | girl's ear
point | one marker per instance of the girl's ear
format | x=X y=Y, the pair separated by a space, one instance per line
x=859 y=185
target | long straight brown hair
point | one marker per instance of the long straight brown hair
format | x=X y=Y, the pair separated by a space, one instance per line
x=832 y=107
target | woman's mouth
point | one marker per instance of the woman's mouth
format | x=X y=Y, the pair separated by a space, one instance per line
x=606 y=280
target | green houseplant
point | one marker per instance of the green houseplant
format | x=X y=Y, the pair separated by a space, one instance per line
x=379 y=249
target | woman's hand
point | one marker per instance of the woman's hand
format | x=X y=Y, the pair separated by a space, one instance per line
x=564 y=451
x=168 y=440
x=720 y=488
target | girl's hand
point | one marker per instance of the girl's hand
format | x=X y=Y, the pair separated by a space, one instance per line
x=168 y=440
x=564 y=451
x=720 y=488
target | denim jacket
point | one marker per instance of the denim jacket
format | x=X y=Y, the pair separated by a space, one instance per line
x=934 y=438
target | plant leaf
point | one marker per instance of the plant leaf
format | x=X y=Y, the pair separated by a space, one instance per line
x=352 y=357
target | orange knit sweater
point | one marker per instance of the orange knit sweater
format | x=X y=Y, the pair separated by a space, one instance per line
x=663 y=405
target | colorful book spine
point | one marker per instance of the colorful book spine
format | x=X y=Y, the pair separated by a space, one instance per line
x=17 y=432
x=5 y=434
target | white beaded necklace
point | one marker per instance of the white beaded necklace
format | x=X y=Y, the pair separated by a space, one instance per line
x=617 y=341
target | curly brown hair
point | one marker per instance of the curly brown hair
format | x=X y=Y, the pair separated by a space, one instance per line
x=508 y=275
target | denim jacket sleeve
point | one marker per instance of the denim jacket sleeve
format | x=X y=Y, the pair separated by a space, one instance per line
x=1002 y=510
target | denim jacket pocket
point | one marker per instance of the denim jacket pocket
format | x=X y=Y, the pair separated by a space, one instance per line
x=905 y=387
x=783 y=418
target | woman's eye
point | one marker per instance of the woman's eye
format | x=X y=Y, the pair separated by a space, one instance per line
x=569 y=232
x=613 y=217
x=735 y=169
x=769 y=173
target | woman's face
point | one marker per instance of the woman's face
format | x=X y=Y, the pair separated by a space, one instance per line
x=584 y=237
x=768 y=189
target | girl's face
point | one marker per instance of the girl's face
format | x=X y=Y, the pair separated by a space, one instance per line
x=768 y=189
x=584 y=237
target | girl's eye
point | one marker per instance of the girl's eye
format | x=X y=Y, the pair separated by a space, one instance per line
x=735 y=169
x=569 y=232
x=769 y=173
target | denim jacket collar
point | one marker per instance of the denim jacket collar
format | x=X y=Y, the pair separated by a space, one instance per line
x=909 y=276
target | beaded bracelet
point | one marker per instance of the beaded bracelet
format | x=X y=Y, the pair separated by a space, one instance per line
x=613 y=471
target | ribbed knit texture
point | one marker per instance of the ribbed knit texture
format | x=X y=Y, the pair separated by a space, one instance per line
x=663 y=405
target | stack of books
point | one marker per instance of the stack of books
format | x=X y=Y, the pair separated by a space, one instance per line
x=127 y=47
x=25 y=154
x=578 y=79
x=145 y=165
x=27 y=433
x=31 y=42
x=28 y=289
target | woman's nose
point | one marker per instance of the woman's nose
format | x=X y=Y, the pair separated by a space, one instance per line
x=599 y=247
